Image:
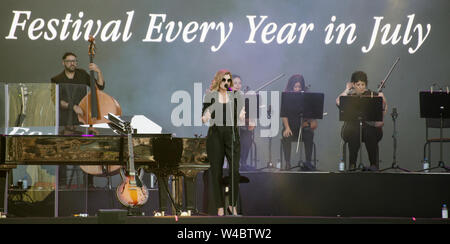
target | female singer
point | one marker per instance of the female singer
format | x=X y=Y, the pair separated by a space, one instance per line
x=223 y=137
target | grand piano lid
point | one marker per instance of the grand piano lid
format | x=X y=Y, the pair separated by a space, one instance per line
x=140 y=123
x=144 y=125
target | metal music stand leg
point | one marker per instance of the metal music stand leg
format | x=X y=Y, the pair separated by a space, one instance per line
x=360 y=166
x=299 y=141
x=441 y=159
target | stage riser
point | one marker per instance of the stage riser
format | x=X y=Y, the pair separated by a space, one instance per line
x=290 y=194
x=345 y=194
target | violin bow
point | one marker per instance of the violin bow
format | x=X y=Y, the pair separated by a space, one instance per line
x=383 y=83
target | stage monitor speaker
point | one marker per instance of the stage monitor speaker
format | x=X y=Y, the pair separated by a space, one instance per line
x=112 y=216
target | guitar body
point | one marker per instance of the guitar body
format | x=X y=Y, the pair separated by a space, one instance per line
x=129 y=194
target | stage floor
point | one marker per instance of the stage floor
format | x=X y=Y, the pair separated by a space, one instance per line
x=275 y=198
x=232 y=220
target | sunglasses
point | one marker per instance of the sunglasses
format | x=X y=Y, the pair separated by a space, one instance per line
x=225 y=80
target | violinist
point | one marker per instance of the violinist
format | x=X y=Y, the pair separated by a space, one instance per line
x=371 y=130
x=291 y=127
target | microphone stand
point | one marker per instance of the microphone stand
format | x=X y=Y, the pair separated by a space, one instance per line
x=270 y=163
x=394 y=165
x=231 y=164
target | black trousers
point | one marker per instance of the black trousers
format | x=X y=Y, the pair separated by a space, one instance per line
x=307 y=138
x=370 y=136
x=220 y=144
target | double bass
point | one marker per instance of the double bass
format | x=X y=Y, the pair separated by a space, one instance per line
x=95 y=105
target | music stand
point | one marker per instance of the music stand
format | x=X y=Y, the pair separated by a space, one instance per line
x=302 y=105
x=361 y=109
x=436 y=105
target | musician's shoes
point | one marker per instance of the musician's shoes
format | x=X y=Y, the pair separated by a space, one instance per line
x=158 y=214
x=307 y=166
x=186 y=213
x=352 y=167
x=373 y=168
x=288 y=166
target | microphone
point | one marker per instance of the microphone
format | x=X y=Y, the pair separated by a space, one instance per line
x=394 y=113
x=228 y=88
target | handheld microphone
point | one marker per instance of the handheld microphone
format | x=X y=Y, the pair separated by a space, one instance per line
x=228 y=88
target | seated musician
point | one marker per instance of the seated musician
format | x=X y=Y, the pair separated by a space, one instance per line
x=371 y=130
x=291 y=127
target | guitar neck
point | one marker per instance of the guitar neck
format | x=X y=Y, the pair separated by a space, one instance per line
x=131 y=169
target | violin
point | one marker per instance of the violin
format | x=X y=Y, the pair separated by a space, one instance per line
x=95 y=105
x=310 y=123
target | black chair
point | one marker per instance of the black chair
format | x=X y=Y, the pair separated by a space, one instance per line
x=433 y=124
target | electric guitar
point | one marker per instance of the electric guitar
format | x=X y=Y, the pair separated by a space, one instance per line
x=131 y=192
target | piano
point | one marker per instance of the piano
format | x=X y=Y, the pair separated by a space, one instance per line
x=161 y=154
